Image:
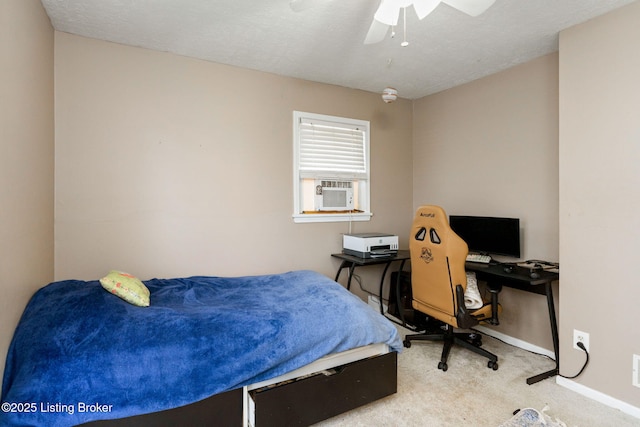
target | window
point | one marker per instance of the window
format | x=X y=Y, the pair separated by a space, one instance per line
x=330 y=168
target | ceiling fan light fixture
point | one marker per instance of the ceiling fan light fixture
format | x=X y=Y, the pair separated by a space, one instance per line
x=389 y=95
x=388 y=13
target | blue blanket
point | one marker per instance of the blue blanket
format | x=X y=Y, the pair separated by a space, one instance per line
x=82 y=354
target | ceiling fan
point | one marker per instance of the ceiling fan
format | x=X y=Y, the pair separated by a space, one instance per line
x=389 y=11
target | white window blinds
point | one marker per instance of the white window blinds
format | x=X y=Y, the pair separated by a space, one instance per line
x=332 y=149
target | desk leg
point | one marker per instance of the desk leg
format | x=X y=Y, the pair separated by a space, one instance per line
x=353 y=267
x=398 y=296
x=345 y=264
x=554 y=334
x=342 y=265
x=384 y=273
x=397 y=292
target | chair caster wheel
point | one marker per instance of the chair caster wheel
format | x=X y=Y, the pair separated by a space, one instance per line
x=492 y=365
x=406 y=343
x=443 y=366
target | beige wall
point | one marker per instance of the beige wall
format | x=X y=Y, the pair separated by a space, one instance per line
x=169 y=166
x=26 y=159
x=152 y=150
x=599 y=204
x=490 y=148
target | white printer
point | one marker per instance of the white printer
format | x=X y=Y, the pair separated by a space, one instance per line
x=370 y=245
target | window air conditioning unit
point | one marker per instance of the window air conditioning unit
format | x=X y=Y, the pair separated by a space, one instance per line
x=334 y=195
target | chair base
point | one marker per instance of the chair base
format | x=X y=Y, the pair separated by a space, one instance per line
x=471 y=341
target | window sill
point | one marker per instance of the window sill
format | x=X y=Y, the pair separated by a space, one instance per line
x=333 y=217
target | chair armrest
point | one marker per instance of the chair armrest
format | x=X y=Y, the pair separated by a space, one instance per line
x=464 y=319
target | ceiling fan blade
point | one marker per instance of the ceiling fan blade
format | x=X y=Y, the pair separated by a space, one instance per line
x=425 y=7
x=388 y=12
x=470 y=7
x=301 y=5
x=377 y=32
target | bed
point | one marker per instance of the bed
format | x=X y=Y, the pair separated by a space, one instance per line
x=81 y=355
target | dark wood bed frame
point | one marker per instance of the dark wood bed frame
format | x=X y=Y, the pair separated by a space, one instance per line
x=299 y=402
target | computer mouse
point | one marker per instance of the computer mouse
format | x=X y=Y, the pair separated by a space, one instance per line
x=534 y=275
x=508 y=268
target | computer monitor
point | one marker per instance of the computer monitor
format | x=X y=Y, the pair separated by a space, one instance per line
x=488 y=235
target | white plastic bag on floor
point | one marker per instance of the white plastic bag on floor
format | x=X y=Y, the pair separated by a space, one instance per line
x=530 y=417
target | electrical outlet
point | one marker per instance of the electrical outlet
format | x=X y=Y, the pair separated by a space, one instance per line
x=579 y=336
x=636 y=371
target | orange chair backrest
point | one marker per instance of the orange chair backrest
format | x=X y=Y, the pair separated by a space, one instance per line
x=438 y=258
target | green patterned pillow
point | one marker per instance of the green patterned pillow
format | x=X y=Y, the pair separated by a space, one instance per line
x=127 y=287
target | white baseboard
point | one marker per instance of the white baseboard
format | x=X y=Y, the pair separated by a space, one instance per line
x=374 y=302
x=516 y=342
x=599 y=397
x=571 y=385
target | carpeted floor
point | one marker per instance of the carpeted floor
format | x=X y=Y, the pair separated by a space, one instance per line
x=470 y=394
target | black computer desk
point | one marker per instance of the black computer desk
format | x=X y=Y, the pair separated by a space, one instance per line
x=520 y=278
x=495 y=276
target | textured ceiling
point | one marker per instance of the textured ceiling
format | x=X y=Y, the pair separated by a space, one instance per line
x=324 y=43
